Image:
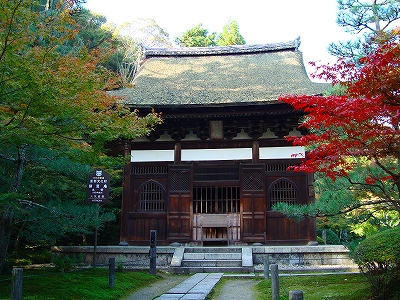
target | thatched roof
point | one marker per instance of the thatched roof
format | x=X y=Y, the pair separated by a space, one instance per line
x=215 y=76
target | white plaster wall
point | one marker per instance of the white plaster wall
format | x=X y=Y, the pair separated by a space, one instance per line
x=217 y=154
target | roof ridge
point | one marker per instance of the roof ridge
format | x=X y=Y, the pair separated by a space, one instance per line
x=221 y=50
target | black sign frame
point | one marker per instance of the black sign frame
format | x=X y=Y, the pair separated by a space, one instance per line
x=98 y=187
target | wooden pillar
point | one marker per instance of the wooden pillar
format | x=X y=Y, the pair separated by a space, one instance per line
x=177 y=153
x=126 y=191
x=312 y=222
x=255 y=152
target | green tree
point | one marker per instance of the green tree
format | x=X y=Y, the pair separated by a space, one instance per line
x=73 y=5
x=53 y=106
x=230 y=35
x=370 y=21
x=133 y=37
x=92 y=34
x=197 y=37
x=145 y=32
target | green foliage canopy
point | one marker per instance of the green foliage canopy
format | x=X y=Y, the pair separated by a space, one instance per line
x=53 y=106
x=200 y=37
x=230 y=35
x=196 y=37
x=369 y=21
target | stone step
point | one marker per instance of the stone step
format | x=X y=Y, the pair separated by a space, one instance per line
x=212 y=256
x=213 y=250
x=190 y=270
x=211 y=263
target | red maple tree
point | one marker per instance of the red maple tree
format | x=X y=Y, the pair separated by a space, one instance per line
x=362 y=126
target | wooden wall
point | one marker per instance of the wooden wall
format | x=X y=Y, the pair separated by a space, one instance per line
x=257 y=222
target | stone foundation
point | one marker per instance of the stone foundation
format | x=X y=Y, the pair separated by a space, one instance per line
x=287 y=257
x=321 y=257
x=136 y=257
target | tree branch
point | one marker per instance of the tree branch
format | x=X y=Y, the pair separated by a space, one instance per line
x=347 y=210
x=12 y=20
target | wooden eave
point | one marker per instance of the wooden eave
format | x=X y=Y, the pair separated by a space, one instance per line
x=236 y=110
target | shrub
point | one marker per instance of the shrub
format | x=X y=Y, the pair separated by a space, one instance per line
x=65 y=263
x=378 y=257
x=320 y=240
x=331 y=237
x=120 y=264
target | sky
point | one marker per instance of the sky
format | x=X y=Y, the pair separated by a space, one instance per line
x=260 y=21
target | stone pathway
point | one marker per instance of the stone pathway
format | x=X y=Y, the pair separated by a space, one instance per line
x=158 y=288
x=178 y=286
x=196 y=287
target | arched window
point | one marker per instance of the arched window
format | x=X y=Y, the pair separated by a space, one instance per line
x=282 y=190
x=151 y=197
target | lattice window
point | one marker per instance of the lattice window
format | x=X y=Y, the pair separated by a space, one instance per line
x=278 y=167
x=219 y=173
x=151 y=197
x=216 y=200
x=145 y=170
x=180 y=181
x=282 y=190
x=253 y=180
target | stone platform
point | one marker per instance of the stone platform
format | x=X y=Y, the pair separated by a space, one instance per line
x=324 y=258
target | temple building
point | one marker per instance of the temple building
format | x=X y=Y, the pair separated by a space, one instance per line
x=212 y=171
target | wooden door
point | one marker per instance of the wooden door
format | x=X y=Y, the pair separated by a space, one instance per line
x=180 y=203
x=253 y=205
x=147 y=210
x=291 y=188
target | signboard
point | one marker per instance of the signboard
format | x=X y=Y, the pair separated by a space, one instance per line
x=97 y=189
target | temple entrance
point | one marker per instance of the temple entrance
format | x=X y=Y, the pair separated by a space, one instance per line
x=211 y=229
x=216 y=214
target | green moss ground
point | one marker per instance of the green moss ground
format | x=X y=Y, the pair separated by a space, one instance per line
x=87 y=284
x=332 y=287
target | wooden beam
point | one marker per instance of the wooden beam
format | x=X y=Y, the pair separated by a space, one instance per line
x=177 y=153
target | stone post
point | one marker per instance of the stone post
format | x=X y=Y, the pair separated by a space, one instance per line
x=153 y=251
x=16 y=289
x=111 y=271
x=296 y=295
x=275 y=281
x=266 y=267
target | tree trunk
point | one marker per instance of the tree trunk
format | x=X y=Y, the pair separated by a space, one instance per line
x=5 y=232
x=376 y=17
x=48 y=4
x=19 y=170
x=7 y=212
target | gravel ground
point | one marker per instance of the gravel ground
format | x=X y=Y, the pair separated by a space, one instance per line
x=237 y=289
